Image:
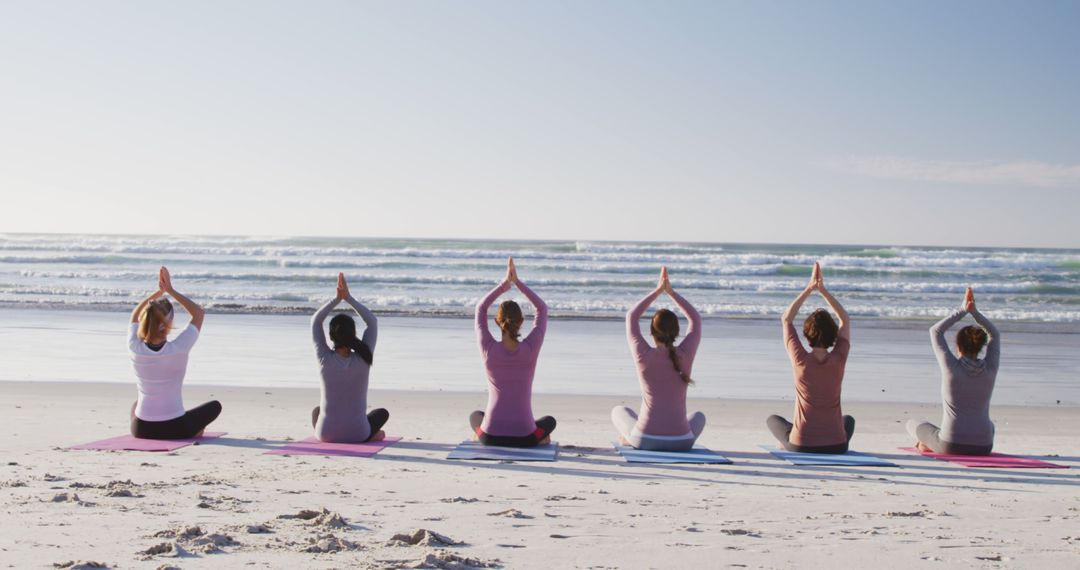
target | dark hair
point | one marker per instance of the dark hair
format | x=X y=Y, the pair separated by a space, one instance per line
x=970 y=340
x=509 y=318
x=665 y=329
x=820 y=329
x=343 y=333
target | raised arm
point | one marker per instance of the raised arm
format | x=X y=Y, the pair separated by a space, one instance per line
x=793 y=309
x=318 y=336
x=941 y=348
x=693 y=331
x=197 y=313
x=536 y=335
x=638 y=345
x=993 y=344
x=138 y=311
x=371 y=332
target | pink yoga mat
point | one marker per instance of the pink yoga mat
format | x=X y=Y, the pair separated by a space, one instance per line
x=312 y=446
x=992 y=460
x=131 y=443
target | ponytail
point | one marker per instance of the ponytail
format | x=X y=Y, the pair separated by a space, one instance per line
x=154 y=319
x=362 y=350
x=509 y=318
x=665 y=329
x=343 y=333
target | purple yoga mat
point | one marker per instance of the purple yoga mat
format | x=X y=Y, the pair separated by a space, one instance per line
x=131 y=443
x=992 y=460
x=312 y=446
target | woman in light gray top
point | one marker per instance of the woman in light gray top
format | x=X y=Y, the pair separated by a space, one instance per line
x=340 y=418
x=967 y=383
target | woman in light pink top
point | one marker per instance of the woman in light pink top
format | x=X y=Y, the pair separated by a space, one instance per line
x=664 y=373
x=820 y=426
x=510 y=365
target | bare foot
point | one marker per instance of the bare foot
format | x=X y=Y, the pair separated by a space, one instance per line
x=922 y=447
x=379 y=436
x=545 y=441
x=622 y=441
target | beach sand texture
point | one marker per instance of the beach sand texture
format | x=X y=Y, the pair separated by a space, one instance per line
x=226 y=504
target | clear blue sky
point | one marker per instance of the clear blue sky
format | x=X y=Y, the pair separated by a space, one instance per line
x=951 y=123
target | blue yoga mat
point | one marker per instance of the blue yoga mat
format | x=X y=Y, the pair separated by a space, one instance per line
x=849 y=458
x=476 y=450
x=696 y=455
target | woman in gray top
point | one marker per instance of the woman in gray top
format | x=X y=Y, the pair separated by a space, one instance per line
x=340 y=418
x=967 y=383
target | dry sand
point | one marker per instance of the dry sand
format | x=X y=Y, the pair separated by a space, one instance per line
x=226 y=504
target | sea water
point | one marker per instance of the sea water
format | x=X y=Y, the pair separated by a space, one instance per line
x=582 y=280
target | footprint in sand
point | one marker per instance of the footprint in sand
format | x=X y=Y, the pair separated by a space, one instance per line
x=423 y=537
x=511 y=513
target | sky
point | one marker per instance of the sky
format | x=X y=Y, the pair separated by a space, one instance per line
x=897 y=123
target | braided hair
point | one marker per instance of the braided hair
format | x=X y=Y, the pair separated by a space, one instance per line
x=665 y=329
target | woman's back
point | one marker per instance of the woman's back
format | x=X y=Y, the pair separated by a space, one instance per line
x=343 y=400
x=663 y=389
x=510 y=372
x=967 y=384
x=818 y=417
x=160 y=373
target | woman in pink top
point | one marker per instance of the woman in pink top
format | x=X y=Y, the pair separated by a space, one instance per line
x=819 y=426
x=510 y=365
x=664 y=373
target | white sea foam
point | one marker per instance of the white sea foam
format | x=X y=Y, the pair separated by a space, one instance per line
x=584 y=279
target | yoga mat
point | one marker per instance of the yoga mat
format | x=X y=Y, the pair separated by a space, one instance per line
x=131 y=443
x=993 y=460
x=312 y=446
x=476 y=450
x=696 y=455
x=850 y=458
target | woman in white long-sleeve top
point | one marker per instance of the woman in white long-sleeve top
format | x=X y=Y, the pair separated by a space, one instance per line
x=967 y=384
x=341 y=417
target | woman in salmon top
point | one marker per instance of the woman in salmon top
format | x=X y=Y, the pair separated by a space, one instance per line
x=820 y=426
x=664 y=374
x=510 y=365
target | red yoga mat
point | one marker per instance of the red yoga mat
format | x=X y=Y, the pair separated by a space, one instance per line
x=993 y=460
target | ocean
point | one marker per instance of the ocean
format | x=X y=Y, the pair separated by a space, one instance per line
x=578 y=279
x=72 y=294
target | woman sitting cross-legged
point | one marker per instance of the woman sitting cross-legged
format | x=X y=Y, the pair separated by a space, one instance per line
x=341 y=417
x=664 y=374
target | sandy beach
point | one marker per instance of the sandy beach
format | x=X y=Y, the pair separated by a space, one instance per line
x=227 y=504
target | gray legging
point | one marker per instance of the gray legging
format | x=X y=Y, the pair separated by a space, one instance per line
x=930 y=435
x=625 y=419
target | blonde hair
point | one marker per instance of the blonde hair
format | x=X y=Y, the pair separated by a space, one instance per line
x=156 y=317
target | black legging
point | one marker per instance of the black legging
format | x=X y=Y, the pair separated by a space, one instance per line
x=544 y=427
x=186 y=426
x=376 y=418
x=781 y=430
